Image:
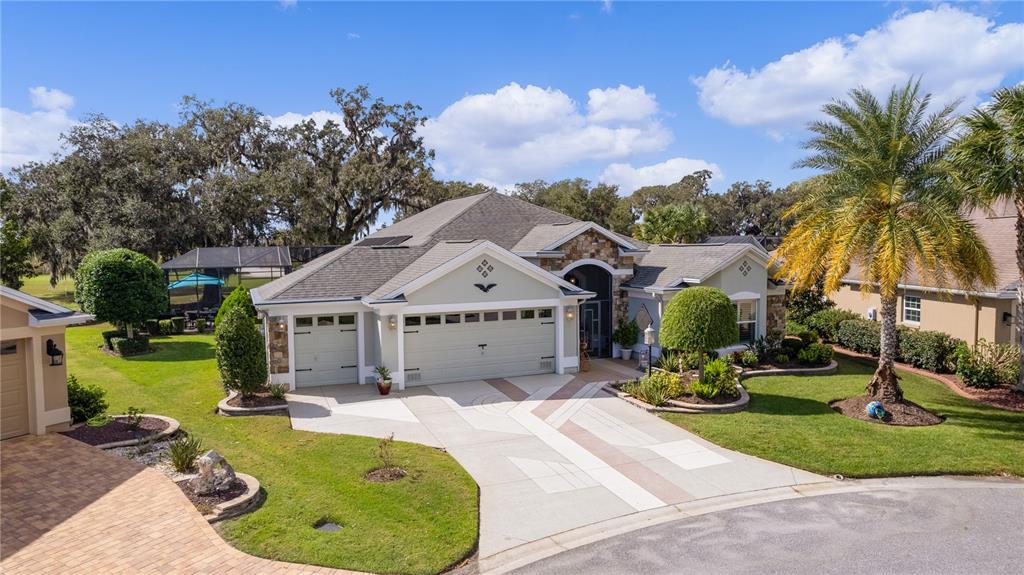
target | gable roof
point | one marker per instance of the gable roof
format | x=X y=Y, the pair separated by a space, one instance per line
x=43 y=313
x=733 y=240
x=667 y=266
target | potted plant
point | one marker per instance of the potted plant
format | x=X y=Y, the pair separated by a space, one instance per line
x=625 y=335
x=383 y=380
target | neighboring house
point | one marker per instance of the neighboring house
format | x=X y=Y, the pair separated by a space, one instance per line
x=33 y=377
x=488 y=286
x=966 y=315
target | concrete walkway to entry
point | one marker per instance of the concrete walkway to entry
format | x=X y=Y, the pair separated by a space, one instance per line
x=551 y=453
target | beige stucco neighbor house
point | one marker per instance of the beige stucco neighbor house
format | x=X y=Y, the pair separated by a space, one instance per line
x=966 y=315
x=488 y=286
x=33 y=376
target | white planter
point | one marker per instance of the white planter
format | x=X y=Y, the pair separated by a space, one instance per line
x=616 y=350
x=626 y=352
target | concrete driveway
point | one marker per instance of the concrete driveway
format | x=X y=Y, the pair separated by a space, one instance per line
x=550 y=453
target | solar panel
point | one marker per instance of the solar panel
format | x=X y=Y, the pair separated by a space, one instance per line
x=383 y=241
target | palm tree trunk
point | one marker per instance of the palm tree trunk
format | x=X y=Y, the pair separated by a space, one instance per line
x=1019 y=315
x=885 y=385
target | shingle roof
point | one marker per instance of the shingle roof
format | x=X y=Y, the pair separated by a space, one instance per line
x=540 y=237
x=733 y=240
x=667 y=265
x=440 y=254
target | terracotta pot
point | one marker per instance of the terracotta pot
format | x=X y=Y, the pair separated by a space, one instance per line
x=384 y=386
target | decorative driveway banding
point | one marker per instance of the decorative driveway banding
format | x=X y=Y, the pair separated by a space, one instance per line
x=71 y=508
x=550 y=452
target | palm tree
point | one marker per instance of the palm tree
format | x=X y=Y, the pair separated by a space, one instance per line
x=885 y=202
x=989 y=161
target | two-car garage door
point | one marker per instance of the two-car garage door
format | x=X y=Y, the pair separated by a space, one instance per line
x=466 y=346
x=326 y=350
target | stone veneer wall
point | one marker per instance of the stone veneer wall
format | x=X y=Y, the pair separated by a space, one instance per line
x=776 y=320
x=278 y=326
x=592 y=245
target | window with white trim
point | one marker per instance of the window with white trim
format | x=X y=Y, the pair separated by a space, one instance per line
x=912 y=308
x=746 y=317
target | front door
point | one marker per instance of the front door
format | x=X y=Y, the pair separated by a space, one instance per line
x=591 y=328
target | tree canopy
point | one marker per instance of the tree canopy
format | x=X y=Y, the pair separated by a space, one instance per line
x=120 y=286
x=673 y=224
x=699 y=319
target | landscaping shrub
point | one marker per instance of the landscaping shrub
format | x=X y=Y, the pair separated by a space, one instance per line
x=860 y=335
x=816 y=354
x=278 y=390
x=794 y=327
x=626 y=334
x=766 y=346
x=120 y=286
x=988 y=365
x=111 y=334
x=133 y=417
x=781 y=359
x=200 y=325
x=153 y=327
x=699 y=319
x=792 y=346
x=124 y=346
x=178 y=325
x=931 y=350
x=808 y=336
x=166 y=327
x=749 y=358
x=85 y=401
x=826 y=322
x=669 y=360
x=241 y=357
x=237 y=299
x=801 y=304
x=656 y=389
x=719 y=379
x=184 y=451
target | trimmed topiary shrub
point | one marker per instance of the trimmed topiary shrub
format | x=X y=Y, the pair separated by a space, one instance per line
x=85 y=401
x=791 y=346
x=124 y=346
x=153 y=327
x=200 y=324
x=120 y=286
x=166 y=327
x=931 y=350
x=860 y=335
x=237 y=299
x=699 y=319
x=241 y=356
x=111 y=334
x=816 y=354
x=826 y=322
x=178 y=325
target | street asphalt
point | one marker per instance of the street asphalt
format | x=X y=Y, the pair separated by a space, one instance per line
x=905 y=531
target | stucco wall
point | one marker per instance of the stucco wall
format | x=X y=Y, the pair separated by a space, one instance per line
x=11 y=317
x=371 y=340
x=732 y=280
x=956 y=315
x=55 y=378
x=459 y=285
x=570 y=335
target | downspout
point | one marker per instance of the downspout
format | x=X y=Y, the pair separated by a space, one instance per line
x=977 y=314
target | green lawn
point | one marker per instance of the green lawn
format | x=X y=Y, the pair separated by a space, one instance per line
x=421 y=524
x=63 y=294
x=789 y=421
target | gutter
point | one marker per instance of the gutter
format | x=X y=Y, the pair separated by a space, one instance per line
x=929 y=289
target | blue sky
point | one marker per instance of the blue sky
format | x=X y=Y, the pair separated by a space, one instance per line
x=630 y=93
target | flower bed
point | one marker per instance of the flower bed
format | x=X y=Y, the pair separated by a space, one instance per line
x=117 y=433
x=262 y=403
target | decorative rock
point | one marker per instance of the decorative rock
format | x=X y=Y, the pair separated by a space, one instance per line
x=215 y=474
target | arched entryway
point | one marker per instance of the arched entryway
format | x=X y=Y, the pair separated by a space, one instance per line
x=595 y=313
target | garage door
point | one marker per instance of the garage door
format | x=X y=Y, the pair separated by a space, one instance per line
x=478 y=345
x=13 y=390
x=326 y=350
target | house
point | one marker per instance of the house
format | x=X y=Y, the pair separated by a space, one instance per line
x=33 y=377
x=967 y=315
x=489 y=286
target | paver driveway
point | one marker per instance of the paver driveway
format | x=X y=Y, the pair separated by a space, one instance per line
x=550 y=453
x=70 y=508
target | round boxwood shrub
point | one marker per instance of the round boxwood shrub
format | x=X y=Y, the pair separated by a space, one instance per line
x=237 y=299
x=699 y=319
x=120 y=286
x=241 y=357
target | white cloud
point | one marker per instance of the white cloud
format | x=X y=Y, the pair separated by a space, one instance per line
x=289 y=119
x=519 y=133
x=620 y=104
x=35 y=136
x=606 y=6
x=630 y=179
x=958 y=55
x=353 y=35
x=286 y=4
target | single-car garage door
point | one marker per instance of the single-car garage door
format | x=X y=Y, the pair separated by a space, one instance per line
x=13 y=390
x=326 y=350
x=465 y=346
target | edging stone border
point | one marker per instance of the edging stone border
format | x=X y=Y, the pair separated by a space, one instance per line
x=229 y=410
x=681 y=406
x=825 y=370
x=240 y=504
x=172 y=428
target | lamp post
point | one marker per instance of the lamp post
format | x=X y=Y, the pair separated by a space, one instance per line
x=649 y=340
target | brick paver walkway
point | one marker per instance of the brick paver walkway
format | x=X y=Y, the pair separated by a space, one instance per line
x=66 y=507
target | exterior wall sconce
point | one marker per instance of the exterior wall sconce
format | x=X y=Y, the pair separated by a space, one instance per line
x=56 y=355
x=1007 y=318
x=392 y=322
x=570 y=312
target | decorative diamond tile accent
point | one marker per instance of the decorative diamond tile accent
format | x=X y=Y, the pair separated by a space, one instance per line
x=484 y=268
x=745 y=267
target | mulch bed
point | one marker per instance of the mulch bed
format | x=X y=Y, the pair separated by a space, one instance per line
x=1001 y=397
x=116 y=430
x=261 y=399
x=906 y=414
x=720 y=400
x=385 y=474
x=206 y=503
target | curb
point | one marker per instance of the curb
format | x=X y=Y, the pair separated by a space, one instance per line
x=528 y=553
x=229 y=410
x=683 y=407
x=172 y=428
x=826 y=370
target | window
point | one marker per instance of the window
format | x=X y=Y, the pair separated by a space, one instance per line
x=303 y=322
x=433 y=320
x=412 y=321
x=545 y=313
x=508 y=315
x=346 y=320
x=526 y=314
x=912 y=309
x=490 y=316
x=452 y=318
x=472 y=317
x=325 y=321
x=9 y=349
x=746 y=317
